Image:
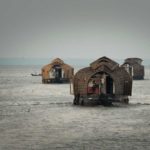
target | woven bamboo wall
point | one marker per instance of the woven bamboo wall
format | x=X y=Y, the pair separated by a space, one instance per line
x=68 y=70
x=122 y=80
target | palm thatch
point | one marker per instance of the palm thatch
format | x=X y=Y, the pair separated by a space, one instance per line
x=108 y=78
x=136 y=68
x=57 y=72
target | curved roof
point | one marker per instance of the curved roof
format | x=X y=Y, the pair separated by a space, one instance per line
x=104 y=61
x=108 y=66
x=56 y=61
x=134 y=60
x=102 y=64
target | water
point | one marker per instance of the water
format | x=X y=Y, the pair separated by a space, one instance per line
x=18 y=86
x=41 y=117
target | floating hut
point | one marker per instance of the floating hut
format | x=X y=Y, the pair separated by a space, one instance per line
x=135 y=68
x=103 y=82
x=57 y=72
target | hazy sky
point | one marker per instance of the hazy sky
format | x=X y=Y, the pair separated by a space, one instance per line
x=75 y=28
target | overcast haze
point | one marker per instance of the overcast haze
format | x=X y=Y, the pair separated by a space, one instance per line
x=75 y=28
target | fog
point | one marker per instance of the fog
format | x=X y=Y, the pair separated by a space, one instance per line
x=74 y=29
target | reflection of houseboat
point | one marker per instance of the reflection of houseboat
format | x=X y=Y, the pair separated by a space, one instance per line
x=103 y=82
x=136 y=68
x=57 y=72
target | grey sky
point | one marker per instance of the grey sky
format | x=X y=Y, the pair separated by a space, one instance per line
x=75 y=28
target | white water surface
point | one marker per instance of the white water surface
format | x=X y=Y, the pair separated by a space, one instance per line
x=36 y=116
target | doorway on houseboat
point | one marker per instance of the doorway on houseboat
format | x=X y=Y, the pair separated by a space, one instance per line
x=101 y=83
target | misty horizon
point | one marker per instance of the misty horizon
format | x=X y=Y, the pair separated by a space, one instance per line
x=72 y=61
x=74 y=29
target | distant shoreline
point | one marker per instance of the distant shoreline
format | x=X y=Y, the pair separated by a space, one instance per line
x=77 y=62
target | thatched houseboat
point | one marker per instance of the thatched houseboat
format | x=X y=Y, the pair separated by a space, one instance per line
x=103 y=82
x=57 y=72
x=135 y=68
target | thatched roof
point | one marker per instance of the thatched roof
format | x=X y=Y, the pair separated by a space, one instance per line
x=56 y=61
x=103 y=64
x=104 y=61
x=133 y=61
